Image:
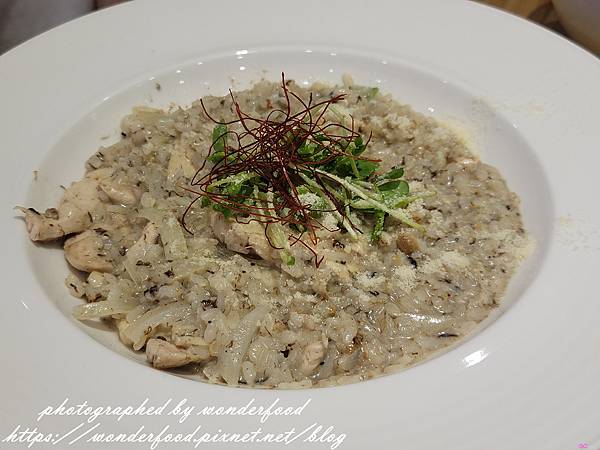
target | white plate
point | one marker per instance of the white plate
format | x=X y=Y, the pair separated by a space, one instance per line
x=529 y=101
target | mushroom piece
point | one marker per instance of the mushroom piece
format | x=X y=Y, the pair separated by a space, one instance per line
x=85 y=252
x=408 y=243
x=312 y=356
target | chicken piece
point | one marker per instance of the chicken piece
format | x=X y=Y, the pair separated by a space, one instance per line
x=164 y=355
x=85 y=252
x=312 y=356
x=73 y=212
x=42 y=227
x=120 y=193
x=248 y=239
x=122 y=325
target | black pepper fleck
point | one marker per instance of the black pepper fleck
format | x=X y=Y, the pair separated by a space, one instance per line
x=209 y=303
x=338 y=244
x=151 y=292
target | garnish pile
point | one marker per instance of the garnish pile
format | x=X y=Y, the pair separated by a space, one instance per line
x=296 y=173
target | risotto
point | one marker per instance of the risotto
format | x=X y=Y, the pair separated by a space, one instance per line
x=287 y=236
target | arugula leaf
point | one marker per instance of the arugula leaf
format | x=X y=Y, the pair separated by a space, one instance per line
x=288 y=258
x=317 y=204
x=219 y=138
x=393 y=174
x=400 y=186
x=307 y=149
x=343 y=167
x=366 y=168
x=236 y=182
x=394 y=197
x=358 y=146
x=216 y=157
x=223 y=209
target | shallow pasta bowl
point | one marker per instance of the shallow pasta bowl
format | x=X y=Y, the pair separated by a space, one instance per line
x=529 y=379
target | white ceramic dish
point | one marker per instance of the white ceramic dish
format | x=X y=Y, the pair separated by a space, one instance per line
x=528 y=380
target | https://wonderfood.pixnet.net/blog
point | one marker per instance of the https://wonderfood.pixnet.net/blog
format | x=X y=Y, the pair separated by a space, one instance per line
x=181 y=424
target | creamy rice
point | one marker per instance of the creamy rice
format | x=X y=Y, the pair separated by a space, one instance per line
x=215 y=302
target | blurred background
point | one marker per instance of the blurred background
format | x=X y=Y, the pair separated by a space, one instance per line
x=23 y=19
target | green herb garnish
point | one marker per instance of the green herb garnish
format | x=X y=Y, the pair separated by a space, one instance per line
x=301 y=173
